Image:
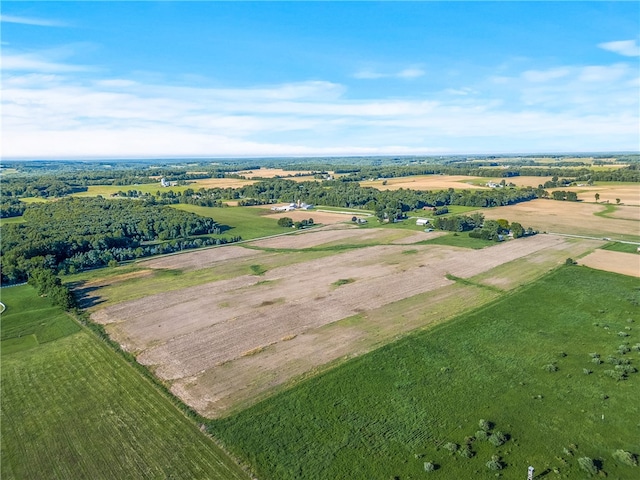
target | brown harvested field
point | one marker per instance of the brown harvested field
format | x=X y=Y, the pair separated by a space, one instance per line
x=204 y=258
x=618 y=262
x=275 y=172
x=341 y=234
x=566 y=217
x=426 y=182
x=625 y=212
x=231 y=341
x=609 y=192
x=220 y=183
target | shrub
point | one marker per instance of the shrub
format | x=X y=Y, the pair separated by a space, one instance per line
x=596 y=360
x=594 y=355
x=623 y=334
x=613 y=360
x=625 y=457
x=626 y=368
x=586 y=371
x=588 y=465
x=484 y=425
x=452 y=447
x=622 y=349
x=466 y=452
x=550 y=367
x=636 y=347
x=429 y=467
x=494 y=463
x=497 y=438
x=482 y=435
x=617 y=375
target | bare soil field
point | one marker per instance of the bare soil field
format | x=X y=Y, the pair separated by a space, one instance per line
x=618 y=262
x=566 y=217
x=339 y=234
x=200 y=259
x=197 y=337
x=426 y=182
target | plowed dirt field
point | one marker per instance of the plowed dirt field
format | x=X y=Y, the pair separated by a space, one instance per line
x=230 y=341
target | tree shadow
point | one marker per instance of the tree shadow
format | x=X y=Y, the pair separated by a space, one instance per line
x=84 y=295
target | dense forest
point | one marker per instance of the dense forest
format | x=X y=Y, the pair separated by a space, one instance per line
x=74 y=234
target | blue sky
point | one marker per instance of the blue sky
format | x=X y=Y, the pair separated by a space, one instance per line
x=146 y=79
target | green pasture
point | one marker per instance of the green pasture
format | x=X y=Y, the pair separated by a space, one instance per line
x=622 y=247
x=247 y=222
x=5 y=221
x=72 y=408
x=354 y=211
x=34 y=199
x=461 y=239
x=524 y=363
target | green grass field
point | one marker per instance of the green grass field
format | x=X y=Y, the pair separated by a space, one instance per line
x=4 y=221
x=247 y=222
x=384 y=414
x=621 y=247
x=72 y=408
x=461 y=239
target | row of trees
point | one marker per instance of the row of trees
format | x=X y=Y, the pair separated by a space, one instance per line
x=478 y=227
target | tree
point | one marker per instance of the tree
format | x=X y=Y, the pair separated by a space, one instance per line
x=285 y=222
x=597 y=197
x=517 y=230
x=617 y=201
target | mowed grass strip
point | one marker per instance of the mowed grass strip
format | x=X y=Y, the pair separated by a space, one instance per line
x=72 y=408
x=386 y=413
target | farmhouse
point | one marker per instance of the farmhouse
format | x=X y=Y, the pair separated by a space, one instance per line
x=292 y=206
x=422 y=221
x=165 y=183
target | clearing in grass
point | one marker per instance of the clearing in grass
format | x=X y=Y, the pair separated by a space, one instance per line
x=72 y=408
x=552 y=369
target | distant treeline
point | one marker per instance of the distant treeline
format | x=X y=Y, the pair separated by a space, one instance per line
x=74 y=234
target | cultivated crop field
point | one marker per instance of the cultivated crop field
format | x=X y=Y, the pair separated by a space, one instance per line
x=72 y=408
x=544 y=367
x=205 y=338
x=571 y=218
x=426 y=182
x=611 y=261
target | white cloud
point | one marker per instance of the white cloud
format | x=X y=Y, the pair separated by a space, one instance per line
x=573 y=108
x=628 y=48
x=406 y=73
x=40 y=22
x=33 y=62
x=604 y=73
x=410 y=73
x=545 y=75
